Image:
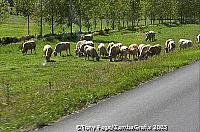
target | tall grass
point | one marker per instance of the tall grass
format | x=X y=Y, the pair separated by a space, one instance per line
x=39 y=94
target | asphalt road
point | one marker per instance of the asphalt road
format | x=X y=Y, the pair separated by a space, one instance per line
x=172 y=100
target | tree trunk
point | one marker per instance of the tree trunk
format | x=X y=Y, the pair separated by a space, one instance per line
x=28 y=24
x=101 y=24
x=41 y=17
x=113 y=24
x=52 y=24
x=80 y=24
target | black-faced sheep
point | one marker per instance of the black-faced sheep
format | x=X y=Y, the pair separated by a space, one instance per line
x=184 y=43
x=29 y=45
x=90 y=51
x=102 y=50
x=150 y=36
x=133 y=50
x=47 y=50
x=62 y=46
x=114 y=52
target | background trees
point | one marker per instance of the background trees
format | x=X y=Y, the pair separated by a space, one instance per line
x=83 y=12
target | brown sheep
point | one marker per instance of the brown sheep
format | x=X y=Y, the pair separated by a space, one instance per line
x=114 y=52
x=90 y=51
x=123 y=52
x=29 y=45
x=133 y=50
x=62 y=46
x=102 y=50
x=154 y=50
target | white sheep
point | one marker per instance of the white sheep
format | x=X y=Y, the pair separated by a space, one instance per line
x=102 y=50
x=47 y=50
x=62 y=46
x=29 y=45
x=78 y=47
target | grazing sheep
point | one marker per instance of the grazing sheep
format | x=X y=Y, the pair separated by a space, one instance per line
x=26 y=37
x=114 y=52
x=110 y=45
x=29 y=45
x=81 y=51
x=102 y=50
x=90 y=51
x=133 y=50
x=170 y=45
x=47 y=52
x=198 y=38
x=62 y=46
x=87 y=37
x=123 y=52
x=150 y=36
x=184 y=43
x=143 y=49
x=119 y=44
x=78 y=47
x=154 y=50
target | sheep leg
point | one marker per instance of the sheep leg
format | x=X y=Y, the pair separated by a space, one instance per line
x=60 y=53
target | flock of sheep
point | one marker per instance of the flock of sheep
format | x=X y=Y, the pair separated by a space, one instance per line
x=114 y=51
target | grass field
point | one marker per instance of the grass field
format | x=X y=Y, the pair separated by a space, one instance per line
x=39 y=94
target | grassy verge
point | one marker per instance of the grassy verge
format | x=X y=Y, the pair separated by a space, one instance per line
x=39 y=94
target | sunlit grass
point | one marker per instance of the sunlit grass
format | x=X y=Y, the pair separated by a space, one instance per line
x=41 y=93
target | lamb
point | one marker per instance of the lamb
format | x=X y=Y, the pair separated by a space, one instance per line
x=29 y=45
x=150 y=36
x=47 y=52
x=102 y=50
x=154 y=50
x=170 y=45
x=123 y=52
x=114 y=52
x=143 y=49
x=198 y=38
x=62 y=46
x=133 y=50
x=90 y=51
x=184 y=43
